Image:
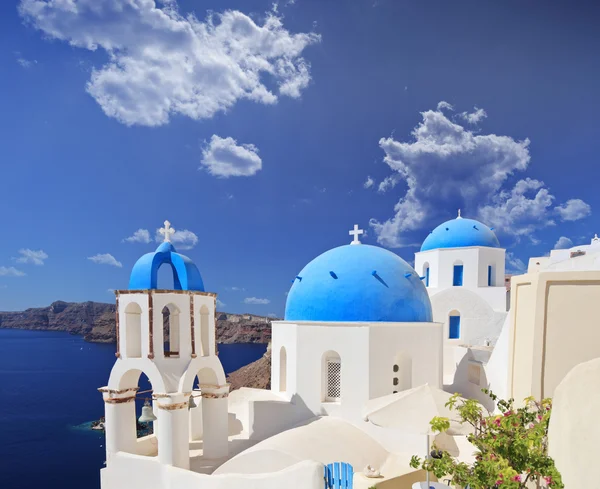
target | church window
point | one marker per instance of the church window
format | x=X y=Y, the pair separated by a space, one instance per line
x=396 y=368
x=402 y=378
x=133 y=331
x=282 y=369
x=490 y=273
x=458 y=275
x=204 y=346
x=395 y=380
x=332 y=377
x=170 y=315
x=454 y=325
x=426 y=274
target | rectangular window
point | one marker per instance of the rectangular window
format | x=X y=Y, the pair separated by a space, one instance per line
x=454 y=332
x=427 y=277
x=334 y=380
x=489 y=275
x=458 y=275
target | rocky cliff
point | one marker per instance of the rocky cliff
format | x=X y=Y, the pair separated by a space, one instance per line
x=256 y=374
x=96 y=322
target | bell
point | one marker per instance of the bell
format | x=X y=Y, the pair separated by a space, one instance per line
x=192 y=404
x=147 y=413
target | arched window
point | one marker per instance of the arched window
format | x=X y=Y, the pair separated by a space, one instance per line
x=332 y=377
x=204 y=343
x=171 y=330
x=402 y=372
x=490 y=275
x=426 y=273
x=454 y=325
x=457 y=278
x=133 y=331
x=282 y=369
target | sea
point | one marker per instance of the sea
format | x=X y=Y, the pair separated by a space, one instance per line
x=48 y=398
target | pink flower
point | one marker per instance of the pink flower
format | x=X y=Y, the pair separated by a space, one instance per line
x=497 y=421
x=548 y=479
x=507 y=413
x=516 y=478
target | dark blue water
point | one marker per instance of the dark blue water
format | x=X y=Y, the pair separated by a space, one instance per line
x=48 y=385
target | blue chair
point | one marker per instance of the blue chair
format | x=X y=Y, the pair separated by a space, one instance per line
x=338 y=475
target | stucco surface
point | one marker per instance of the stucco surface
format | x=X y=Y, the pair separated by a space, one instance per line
x=574 y=429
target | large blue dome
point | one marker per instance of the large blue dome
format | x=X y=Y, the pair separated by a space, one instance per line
x=458 y=233
x=358 y=283
x=186 y=275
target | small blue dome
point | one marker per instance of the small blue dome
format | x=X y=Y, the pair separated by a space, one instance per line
x=186 y=275
x=458 y=233
x=358 y=283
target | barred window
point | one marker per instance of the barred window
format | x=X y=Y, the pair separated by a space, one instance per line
x=334 y=379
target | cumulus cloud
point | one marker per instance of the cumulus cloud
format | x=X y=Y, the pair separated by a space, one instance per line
x=182 y=240
x=389 y=183
x=573 y=210
x=25 y=63
x=105 y=259
x=220 y=303
x=444 y=106
x=140 y=236
x=256 y=300
x=32 y=257
x=223 y=157
x=563 y=243
x=474 y=117
x=447 y=167
x=369 y=182
x=10 y=272
x=162 y=63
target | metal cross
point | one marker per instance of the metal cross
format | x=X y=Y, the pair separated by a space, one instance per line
x=167 y=231
x=356 y=233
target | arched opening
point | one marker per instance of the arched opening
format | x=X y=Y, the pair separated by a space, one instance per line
x=426 y=273
x=165 y=277
x=133 y=331
x=491 y=276
x=204 y=377
x=402 y=372
x=331 y=377
x=144 y=428
x=454 y=325
x=282 y=369
x=457 y=277
x=171 y=331
x=204 y=342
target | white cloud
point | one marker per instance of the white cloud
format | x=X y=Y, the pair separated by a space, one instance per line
x=26 y=63
x=514 y=265
x=369 y=182
x=140 y=236
x=182 y=240
x=474 y=117
x=105 y=259
x=223 y=157
x=389 y=183
x=573 y=210
x=220 y=303
x=161 y=63
x=255 y=300
x=563 y=243
x=31 y=256
x=111 y=291
x=10 y=272
x=444 y=105
x=447 y=167
x=236 y=289
x=521 y=210
x=272 y=315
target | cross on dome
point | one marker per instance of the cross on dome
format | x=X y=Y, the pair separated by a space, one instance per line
x=595 y=239
x=356 y=233
x=167 y=231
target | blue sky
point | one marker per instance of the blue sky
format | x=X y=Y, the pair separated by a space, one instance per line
x=268 y=131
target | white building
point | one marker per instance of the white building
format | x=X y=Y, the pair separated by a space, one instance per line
x=462 y=265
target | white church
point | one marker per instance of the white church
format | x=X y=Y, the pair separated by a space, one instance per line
x=363 y=331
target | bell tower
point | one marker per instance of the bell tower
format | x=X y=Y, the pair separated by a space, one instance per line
x=169 y=335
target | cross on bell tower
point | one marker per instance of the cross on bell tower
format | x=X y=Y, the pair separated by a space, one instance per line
x=356 y=233
x=167 y=231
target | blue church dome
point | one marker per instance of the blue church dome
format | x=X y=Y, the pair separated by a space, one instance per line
x=186 y=275
x=458 y=233
x=358 y=283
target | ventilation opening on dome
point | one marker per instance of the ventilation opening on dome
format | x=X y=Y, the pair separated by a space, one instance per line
x=165 y=277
